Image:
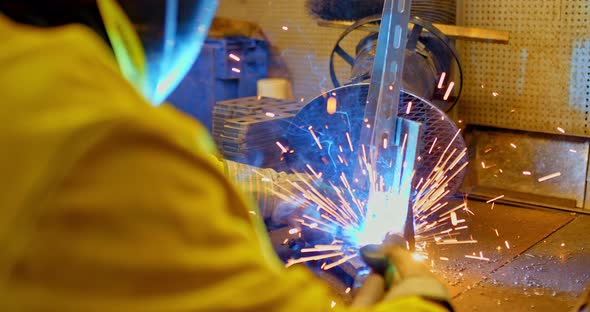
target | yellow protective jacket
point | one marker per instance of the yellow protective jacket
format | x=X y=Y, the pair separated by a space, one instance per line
x=109 y=204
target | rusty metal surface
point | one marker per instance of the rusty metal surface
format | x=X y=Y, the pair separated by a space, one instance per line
x=547 y=277
x=488 y=297
x=519 y=165
x=520 y=227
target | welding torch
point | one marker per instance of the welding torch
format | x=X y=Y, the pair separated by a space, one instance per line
x=375 y=256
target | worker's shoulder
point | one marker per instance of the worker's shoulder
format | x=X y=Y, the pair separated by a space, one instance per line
x=67 y=72
x=58 y=44
x=61 y=65
x=67 y=79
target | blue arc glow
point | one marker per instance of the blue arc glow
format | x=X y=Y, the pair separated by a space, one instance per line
x=386 y=214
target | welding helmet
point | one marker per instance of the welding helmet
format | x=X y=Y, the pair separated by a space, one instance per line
x=156 y=41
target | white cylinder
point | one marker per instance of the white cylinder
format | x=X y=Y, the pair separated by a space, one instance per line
x=277 y=88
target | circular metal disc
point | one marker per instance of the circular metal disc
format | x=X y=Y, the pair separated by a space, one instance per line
x=324 y=137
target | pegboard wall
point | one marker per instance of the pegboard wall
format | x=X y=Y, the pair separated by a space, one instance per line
x=295 y=36
x=540 y=81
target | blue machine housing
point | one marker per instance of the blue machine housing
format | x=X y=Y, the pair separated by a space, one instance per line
x=216 y=76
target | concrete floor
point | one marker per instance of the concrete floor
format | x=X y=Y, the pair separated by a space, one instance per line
x=546 y=268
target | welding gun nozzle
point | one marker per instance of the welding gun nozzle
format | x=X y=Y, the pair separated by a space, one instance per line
x=378 y=261
x=375 y=258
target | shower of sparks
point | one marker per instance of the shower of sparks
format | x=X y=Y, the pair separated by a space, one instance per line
x=340 y=261
x=494 y=199
x=269 y=114
x=409 y=108
x=285 y=28
x=234 y=57
x=484 y=166
x=454 y=220
x=507 y=244
x=455 y=241
x=526 y=173
x=338 y=209
x=315 y=174
x=236 y=70
x=318 y=248
x=283 y=149
x=480 y=257
x=291 y=262
x=418 y=257
x=513 y=145
x=432 y=146
x=349 y=142
x=442 y=80
x=449 y=90
x=560 y=130
x=550 y=176
x=315 y=137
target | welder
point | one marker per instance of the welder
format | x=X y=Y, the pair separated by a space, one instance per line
x=109 y=203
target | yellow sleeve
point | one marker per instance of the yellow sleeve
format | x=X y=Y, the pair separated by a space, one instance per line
x=258 y=185
x=145 y=225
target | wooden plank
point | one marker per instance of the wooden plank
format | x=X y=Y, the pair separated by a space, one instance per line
x=451 y=31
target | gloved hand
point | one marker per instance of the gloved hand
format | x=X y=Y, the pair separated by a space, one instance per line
x=412 y=278
x=371 y=292
x=415 y=279
x=273 y=191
